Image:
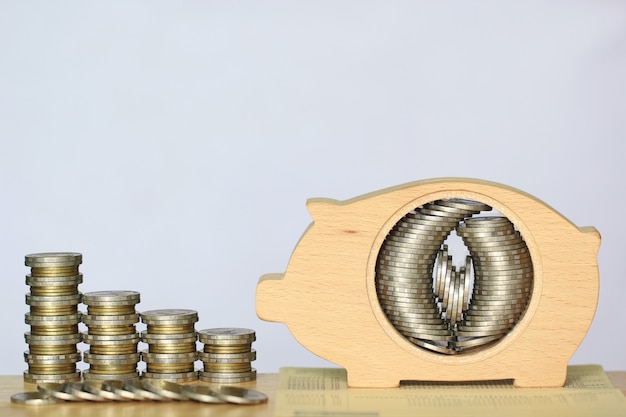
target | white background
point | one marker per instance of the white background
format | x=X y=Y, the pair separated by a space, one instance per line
x=174 y=144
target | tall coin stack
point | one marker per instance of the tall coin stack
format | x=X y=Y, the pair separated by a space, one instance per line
x=227 y=355
x=111 y=335
x=53 y=317
x=171 y=338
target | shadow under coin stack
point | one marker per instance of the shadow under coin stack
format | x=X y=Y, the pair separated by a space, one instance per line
x=227 y=355
x=53 y=317
x=171 y=338
x=111 y=335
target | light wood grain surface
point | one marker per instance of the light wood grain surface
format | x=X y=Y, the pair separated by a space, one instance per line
x=267 y=383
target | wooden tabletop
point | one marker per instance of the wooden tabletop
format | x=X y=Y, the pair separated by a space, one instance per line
x=267 y=383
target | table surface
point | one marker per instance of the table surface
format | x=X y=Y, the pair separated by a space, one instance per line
x=267 y=383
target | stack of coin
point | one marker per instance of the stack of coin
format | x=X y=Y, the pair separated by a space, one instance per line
x=416 y=305
x=171 y=338
x=227 y=355
x=503 y=277
x=53 y=317
x=452 y=287
x=111 y=335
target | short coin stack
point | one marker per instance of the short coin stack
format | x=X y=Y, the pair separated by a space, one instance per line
x=53 y=317
x=227 y=355
x=111 y=335
x=171 y=338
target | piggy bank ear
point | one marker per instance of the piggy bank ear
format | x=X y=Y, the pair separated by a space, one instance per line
x=319 y=207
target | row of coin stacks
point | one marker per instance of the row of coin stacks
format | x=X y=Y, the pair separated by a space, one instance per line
x=112 y=337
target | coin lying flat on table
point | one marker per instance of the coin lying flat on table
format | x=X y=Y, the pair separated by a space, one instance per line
x=239 y=395
x=33 y=398
x=202 y=393
x=164 y=389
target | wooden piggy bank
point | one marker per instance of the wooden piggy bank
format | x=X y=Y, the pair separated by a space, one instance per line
x=374 y=285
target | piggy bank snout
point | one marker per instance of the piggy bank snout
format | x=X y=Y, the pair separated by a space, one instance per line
x=268 y=293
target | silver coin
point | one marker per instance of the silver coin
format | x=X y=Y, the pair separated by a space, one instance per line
x=484 y=326
x=413 y=306
x=172 y=377
x=431 y=314
x=486 y=315
x=101 y=390
x=411 y=258
x=432 y=211
x=241 y=357
x=115 y=320
x=202 y=393
x=394 y=271
x=228 y=378
x=433 y=214
x=56 y=390
x=409 y=321
x=423 y=333
x=494 y=244
x=519 y=273
x=427 y=336
x=415 y=285
x=111 y=358
x=411 y=285
x=168 y=358
x=55 y=340
x=416 y=238
x=92 y=376
x=419 y=227
x=525 y=256
x=473 y=322
x=135 y=387
x=32 y=378
x=409 y=302
x=53 y=281
x=52 y=359
x=421 y=326
x=108 y=298
x=53 y=259
x=76 y=389
x=53 y=300
x=483 y=333
x=175 y=338
x=106 y=339
x=240 y=395
x=405 y=263
x=169 y=316
x=383 y=288
x=517 y=248
x=391 y=245
x=228 y=333
x=488 y=221
x=464 y=204
x=33 y=398
x=427 y=223
x=65 y=320
x=472 y=342
x=165 y=389
x=433 y=346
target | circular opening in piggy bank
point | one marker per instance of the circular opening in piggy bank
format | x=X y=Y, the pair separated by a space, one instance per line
x=454 y=276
